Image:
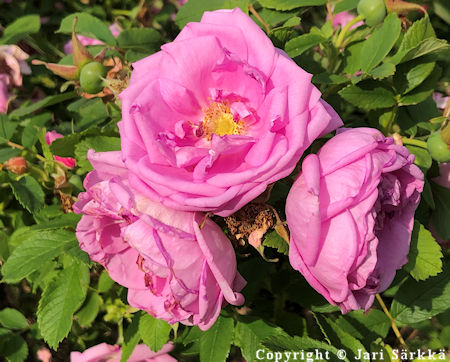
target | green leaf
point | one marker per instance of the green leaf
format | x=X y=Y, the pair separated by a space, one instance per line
x=37 y=248
x=65 y=146
x=425 y=47
x=12 y=319
x=320 y=351
x=29 y=193
x=424 y=259
x=328 y=78
x=411 y=74
x=273 y=240
x=298 y=45
x=382 y=71
x=340 y=338
x=59 y=301
x=194 y=9
x=422 y=157
x=380 y=43
x=7 y=128
x=422 y=91
x=289 y=4
x=99 y=144
x=88 y=112
x=7 y=153
x=19 y=28
x=154 y=332
x=249 y=334
x=215 y=343
x=273 y=17
x=104 y=282
x=367 y=98
x=131 y=337
x=88 y=312
x=417 y=301
x=14 y=348
x=345 y=5
x=88 y=25
x=144 y=39
x=46 y=102
x=365 y=326
x=441 y=214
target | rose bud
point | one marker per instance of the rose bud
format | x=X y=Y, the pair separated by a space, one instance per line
x=17 y=165
x=351 y=213
x=144 y=246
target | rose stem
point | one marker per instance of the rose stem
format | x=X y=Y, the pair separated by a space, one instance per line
x=255 y=13
x=393 y=325
x=19 y=147
x=344 y=30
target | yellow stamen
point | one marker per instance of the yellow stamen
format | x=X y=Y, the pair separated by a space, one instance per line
x=219 y=120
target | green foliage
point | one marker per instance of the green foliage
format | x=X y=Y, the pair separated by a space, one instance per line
x=12 y=319
x=273 y=240
x=154 y=332
x=215 y=343
x=289 y=4
x=88 y=25
x=20 y=28
x=29 y=193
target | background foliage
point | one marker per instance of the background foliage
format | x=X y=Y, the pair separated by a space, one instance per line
x=52 y=295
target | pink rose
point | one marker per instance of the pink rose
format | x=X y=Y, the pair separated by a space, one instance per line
x=217 y=115
x=66 y=161
x=85 y=40
x=105 y=352
x=174 y=269
x=12 y=66
x=351 y=213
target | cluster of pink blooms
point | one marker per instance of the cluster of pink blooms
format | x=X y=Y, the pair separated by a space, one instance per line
x=12 y=66
x=208 y=123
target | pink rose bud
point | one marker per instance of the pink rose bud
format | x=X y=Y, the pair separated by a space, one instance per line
x=218 y=115
x=144 y=247
x=106 y=352
x=351 y=213
x=69 y=162
x=17 y=165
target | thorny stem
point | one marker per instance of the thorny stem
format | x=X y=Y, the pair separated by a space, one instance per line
x=255 y=13
x=393 y=325
x=346 y=28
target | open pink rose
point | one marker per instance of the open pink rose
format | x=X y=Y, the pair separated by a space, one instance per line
x=351 y=213
x=217 y=115
x=66 y=161
x=105 y=352
x=12 y=66
x=173 y=268
x=85 y=40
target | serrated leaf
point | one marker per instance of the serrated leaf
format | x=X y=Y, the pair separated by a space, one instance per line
x=424 y=259
x=215 y=343
x=194 y=9
x=88 y=25
x=426 y=47
x=340 y=338
x=99 y=144
x=289 y=4
x=298 y=45
x=273 y=240
x=411 y=74
x=88 y=312
x=144 y=39
x=154 y=332
x=7 y=128
x=441 y=214
x=46 y=102
x=422 y=91
x=12 y=319
x=19 y=28
x=380 y=43
x=38 y=247
x=14 y=348
x=65 y=146
x=417 y=301
x=59 y=301
x=104 y=282
x=250 y=332
x=29 y=193
x=131 y=337
x=382 y=71
x=367 y=99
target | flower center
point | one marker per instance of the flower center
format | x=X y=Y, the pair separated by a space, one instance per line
x=220 y=121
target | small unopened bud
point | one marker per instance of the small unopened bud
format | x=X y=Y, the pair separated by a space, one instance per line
x=17 y=165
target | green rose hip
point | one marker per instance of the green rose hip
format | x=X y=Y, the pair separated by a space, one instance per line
x=438 y=149
x=91 y=77
x=374 y=11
